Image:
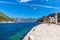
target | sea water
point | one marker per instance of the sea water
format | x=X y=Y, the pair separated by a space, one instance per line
x=15 y=31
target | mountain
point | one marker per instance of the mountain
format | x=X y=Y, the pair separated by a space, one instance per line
x=50 y=15
x=4 y=17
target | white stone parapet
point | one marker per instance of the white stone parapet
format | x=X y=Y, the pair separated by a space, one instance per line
x=44 y=32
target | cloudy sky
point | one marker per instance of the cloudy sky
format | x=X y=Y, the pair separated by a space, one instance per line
x=29 y=8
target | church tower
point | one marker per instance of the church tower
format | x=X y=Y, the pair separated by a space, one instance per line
x=56 y=16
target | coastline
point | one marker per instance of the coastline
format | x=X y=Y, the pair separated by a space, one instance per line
x=8 y=22
x=44 y=32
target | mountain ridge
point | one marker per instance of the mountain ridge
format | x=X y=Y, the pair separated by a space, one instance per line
x=3 y=17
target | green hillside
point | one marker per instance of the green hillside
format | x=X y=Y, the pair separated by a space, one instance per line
x=4 y=17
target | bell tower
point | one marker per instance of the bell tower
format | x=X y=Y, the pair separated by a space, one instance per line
x=56 y=16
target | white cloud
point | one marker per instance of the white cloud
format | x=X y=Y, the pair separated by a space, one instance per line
x=25 y=1
x=7 y=2
x=43 y=6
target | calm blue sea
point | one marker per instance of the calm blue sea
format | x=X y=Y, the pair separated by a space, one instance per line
x=15 y=31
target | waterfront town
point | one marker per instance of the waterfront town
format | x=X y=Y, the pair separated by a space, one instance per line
x=46 y=19
x=48 y=30
x=21 y=20
x=25 y=19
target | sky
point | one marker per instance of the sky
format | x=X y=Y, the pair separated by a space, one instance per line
x=29 y=8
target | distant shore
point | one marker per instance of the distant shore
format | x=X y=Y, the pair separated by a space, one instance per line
x=8 y=22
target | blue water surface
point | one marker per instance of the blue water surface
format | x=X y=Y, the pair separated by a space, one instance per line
x=15 y=31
